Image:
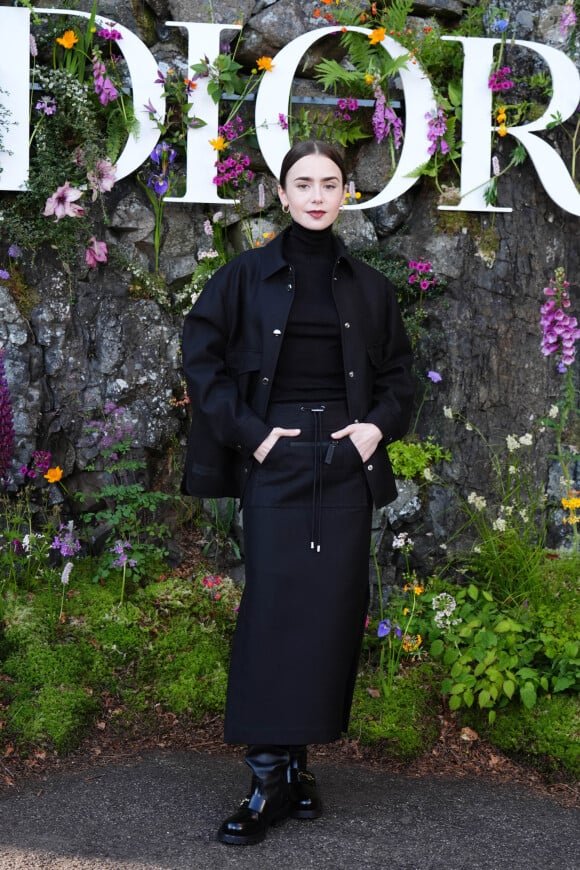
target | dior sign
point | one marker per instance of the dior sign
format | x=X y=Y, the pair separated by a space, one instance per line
x=273 y=96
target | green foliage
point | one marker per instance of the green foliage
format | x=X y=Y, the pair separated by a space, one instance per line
x=494 y=655
x=411 y=457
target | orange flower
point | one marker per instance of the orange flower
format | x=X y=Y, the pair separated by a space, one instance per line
x=327 y=2
x=362 y=18
x=218 y=144
x=328 y=17
x=53 y=475
x=502 y=130
x=377 y=35
x=190 y=84
x=427 y=29
x=316 y=13
x=265 y=63
x=369 y=79
x=68 y=39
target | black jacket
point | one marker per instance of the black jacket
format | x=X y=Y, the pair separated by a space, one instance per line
x=231 y=341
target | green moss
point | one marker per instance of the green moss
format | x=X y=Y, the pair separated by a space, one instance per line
x=404 y=722
x=55 y=716
x=548 y=736
x=187 y=666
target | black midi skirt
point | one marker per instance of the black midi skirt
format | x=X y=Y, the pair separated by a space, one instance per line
x=307 y=521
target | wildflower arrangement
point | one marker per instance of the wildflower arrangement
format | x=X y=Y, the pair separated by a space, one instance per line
x=560 y=333
x=396 y=636
x=79 y=121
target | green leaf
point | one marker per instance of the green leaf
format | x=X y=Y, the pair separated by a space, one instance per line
x=455 y=702
x=508 y=688
x=437 y=649
x=563 y=683
x=528 y=695
x=458 y=689
x=468 y=698
x=491 y=716
x=455 y=93
x=473 y=592
x=484 y=698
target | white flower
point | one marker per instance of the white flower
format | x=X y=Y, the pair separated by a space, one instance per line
x=477 y=549
x=554 y=411
x=526 y=440
x=66 y=573
x=508 y=509
x=512 y=469
x=442 y=546
x=512 y=443
x=428 y=474
x=524 y=515
x=469 y=427
x=402 y=541
x=478 y=501
x=448 y=412
x=499 y=524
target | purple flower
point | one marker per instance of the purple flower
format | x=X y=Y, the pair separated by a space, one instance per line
x=66 y=541
x=385 y=628
x=122 y=559
x=46 y=105
x=110 y=34
x=7 y=436
x=435 y=377
x=4 y=275
x=66 y=572
x=568 y=19
x=560 y=331
x=283 y=120
x=498 y=80
x=14 y=252
x=437 y=128
x=385 y=120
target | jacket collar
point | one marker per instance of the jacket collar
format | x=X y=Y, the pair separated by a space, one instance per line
x=273 y=259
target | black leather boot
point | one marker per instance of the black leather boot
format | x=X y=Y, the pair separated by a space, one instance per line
x=268 y=800
x=305 y=801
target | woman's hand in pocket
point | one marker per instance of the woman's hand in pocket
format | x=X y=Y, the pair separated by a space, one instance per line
x=365 y=437
x=277 y=432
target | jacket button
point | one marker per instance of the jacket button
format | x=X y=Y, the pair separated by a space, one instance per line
x=351 y=374
x=277 y=332
x=347 y=325
x=355 y=421
x=265 y=381
x=289 y=286
x=369 y=468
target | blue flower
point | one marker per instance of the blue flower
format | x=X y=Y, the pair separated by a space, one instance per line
x=500 y=25
x=435 y=377
x=384 y=628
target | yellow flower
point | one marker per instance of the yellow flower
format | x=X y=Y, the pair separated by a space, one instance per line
x=218 y=144
x=369 y=79
x=502 y=130
x=418 y=590
x=412 y=644
x=405 y=611
x=53 y=475
x=265 y=63
x=68 y=39
x=377 y=35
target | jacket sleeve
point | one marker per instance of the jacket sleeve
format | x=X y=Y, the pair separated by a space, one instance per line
x=393 y=384
x=212 y=388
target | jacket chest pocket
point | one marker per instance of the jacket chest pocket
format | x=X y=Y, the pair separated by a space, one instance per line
x=244 y=367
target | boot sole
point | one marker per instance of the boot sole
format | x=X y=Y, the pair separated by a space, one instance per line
x=254 y=839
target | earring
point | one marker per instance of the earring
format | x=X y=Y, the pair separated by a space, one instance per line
x=286 y=208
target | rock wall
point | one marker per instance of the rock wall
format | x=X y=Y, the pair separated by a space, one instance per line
x=85 y=339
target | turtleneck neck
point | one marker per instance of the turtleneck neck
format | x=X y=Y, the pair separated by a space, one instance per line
x=310 y=242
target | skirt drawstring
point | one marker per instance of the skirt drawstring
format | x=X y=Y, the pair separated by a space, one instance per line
x=317 y=479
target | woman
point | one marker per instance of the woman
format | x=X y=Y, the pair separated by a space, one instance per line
x=299 y=373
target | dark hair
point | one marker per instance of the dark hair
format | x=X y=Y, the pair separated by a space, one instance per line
x=304 y=149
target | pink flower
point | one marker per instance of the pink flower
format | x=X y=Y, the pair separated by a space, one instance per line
x=62 y=203
x=103 y=177
x=95 y=253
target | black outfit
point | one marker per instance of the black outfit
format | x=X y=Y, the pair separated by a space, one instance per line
x=297 y=335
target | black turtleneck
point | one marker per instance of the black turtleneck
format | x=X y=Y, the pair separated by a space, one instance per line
x=310 y=364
